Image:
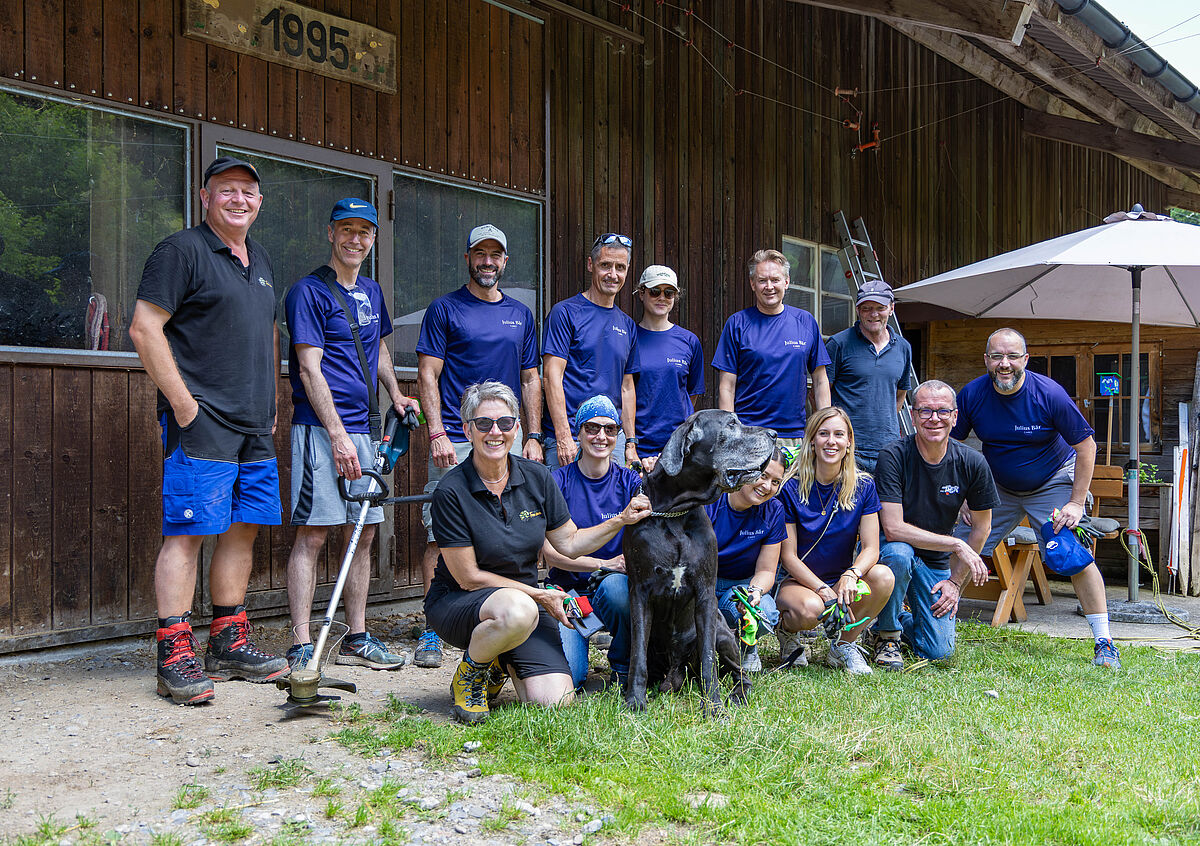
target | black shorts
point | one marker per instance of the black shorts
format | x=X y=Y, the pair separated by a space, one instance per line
x=454 y=614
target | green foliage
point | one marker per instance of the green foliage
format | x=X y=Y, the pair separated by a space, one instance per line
x=1185 y=216
x=166 y=838
x=1148 y=474
x=190 y=795
x=287 y=773
x=226 y=825
x=1065 y=753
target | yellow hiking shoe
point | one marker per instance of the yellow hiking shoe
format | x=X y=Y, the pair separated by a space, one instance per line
x=468 y=688
x=496 y=677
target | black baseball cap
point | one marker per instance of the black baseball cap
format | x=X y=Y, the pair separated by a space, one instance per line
x=225 y=163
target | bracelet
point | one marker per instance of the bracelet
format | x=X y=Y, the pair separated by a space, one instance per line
x=957 y=585
x=853 y=573
x=436 y=435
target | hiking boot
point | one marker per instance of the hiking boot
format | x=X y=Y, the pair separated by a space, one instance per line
x=848 y=656
x=231 y=655
x=886 y=654
x=180 y=675
x=793 y=643
x=496 y=678
x=298 y=656
x=469 y=690
x=1107 y=655
x=751 y=663
x=369 y=651
x=429 y=650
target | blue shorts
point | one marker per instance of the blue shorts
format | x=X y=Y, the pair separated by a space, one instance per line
x=214 y=476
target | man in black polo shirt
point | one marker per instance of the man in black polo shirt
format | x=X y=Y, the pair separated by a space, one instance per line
x=204 y=327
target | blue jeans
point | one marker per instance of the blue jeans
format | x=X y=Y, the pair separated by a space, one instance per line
x=929 y=636
x=611 y=604
x=732 y=612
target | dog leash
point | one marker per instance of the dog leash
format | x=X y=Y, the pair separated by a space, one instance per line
x=636 y=466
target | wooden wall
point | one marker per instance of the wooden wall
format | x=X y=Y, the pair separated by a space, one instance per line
x=711 y=132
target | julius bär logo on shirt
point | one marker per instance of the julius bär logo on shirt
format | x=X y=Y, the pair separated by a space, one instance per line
x=529 y=515
x=619 y=330
x=678 y=362
x=947 y=490
x=793 y=342
x=507 y=322
x=750 y=533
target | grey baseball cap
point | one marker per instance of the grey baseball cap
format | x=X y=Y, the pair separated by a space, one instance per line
x=875 y=291
x=483 y=233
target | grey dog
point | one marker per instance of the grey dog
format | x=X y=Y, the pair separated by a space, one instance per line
x=671 y=559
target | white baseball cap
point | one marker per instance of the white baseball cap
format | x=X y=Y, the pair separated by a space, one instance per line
x=657 y=275
x=483 y=233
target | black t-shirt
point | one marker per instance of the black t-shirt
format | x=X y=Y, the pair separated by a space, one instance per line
x=506 y=531
x=221 y=329
x=932 y=494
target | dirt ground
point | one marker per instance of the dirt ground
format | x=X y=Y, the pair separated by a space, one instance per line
x=88 y=736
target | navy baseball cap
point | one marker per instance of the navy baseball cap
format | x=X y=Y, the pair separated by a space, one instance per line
x=354 y=207
x=225 y=163
x=875 y=291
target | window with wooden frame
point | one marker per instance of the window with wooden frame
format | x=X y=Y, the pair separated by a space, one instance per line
x=818 y=284
x=1080 y=369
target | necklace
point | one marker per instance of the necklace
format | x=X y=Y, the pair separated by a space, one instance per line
x=832 y=496
x=495 y=481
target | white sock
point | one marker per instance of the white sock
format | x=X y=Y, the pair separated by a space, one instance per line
x=1099 y=624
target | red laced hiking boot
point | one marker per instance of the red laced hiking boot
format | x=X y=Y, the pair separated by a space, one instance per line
x=231 y=655
x=180 y=675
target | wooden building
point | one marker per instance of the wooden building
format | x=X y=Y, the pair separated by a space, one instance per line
x=705 y=130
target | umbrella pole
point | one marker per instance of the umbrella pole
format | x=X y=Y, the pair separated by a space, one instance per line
x=1135 y=435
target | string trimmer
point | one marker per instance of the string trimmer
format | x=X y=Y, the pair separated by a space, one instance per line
x=304 y=683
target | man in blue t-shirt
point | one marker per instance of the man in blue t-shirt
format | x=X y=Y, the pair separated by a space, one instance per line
x=868 y=373
x=766 y=354
x=474 y=334
x=1042 y=453
x=589 y=348
x=331 y=434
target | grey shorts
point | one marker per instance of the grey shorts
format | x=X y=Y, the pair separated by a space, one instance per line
x=315 y=497
x=461 y=451
x=1036 y=505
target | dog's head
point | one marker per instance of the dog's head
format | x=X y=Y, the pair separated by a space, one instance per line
x=713 y=449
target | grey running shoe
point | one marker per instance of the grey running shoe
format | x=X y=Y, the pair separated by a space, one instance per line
x=794 y=643
x=298 y=655
x=429 y=650
x=848 y=657
x=369 y=651
x=751 y=663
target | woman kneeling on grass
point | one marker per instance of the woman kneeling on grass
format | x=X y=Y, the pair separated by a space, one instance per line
x=491 y=515
x=749 y=524
x=830 y=508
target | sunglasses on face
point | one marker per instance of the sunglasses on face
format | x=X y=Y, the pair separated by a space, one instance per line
x=669 y=293
x=484 y=424
x=613 y=238
x=593 y=429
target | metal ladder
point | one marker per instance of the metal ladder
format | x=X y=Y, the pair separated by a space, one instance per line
x=861 y=265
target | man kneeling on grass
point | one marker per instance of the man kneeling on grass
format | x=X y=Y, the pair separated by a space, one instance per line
x=491 y=514
x=923 y=481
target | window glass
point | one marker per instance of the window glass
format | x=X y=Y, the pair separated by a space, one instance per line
x=802 y=292
x=837 y=305
x=431 y=226
x=817 y=277
x=293 y=223
x=85 y=194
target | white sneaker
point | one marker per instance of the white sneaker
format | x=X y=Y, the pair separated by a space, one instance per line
x=751 y=663
x=789 y=643
x=848 y=657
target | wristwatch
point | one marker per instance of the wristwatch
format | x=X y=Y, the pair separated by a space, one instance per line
x=536 y=436
x=629 y=441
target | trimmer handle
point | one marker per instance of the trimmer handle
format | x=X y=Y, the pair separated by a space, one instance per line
x=395 y=436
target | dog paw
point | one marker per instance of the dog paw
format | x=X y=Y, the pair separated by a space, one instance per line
x=635 y=703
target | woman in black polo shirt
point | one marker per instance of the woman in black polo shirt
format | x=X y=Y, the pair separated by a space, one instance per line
x=490 y=516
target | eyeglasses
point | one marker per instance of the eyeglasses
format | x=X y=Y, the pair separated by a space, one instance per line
x=1006 y=356
x=669 y=293
x=613 y=238
x=592 y=429
x=484 y=424
x=942 y=413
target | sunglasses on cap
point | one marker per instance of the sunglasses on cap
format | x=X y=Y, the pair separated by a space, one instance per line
x=789 y=457
x=484 y=424
x=593 y=429
x=664 y=291
x=613 y=238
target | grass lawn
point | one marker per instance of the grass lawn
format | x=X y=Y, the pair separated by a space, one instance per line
x=1063 y=753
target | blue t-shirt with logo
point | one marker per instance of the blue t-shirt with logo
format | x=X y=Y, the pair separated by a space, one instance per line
x=931 y=494
x=600 y=347
x=476 y=340
x=316 y=318
x=825 y=543
x=741 y=535
x=1027 y=435
x=771 y=355
x=670 y=372
x=592 y=501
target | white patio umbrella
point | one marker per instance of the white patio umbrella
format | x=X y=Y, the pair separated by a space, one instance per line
x=1088 y=275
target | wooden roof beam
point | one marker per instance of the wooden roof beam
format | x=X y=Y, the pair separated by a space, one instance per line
x=993 y=19
x=977 y=62
x=1135 y=145
x=1088 y=43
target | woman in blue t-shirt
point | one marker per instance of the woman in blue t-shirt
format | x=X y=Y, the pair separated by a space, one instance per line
x=750 y=529
x=832 y=541
x=595 y=488
x=670 y=366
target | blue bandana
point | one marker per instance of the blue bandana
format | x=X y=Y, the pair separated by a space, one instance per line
x=597 y=406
